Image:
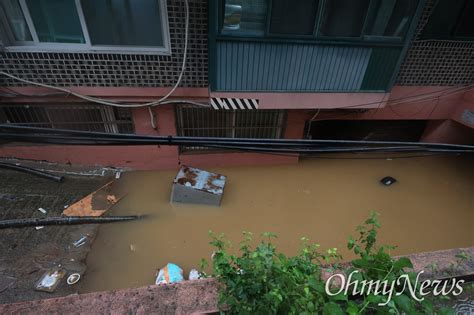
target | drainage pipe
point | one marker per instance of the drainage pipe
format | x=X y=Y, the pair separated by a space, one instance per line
x=32 y=171
x=17 y=223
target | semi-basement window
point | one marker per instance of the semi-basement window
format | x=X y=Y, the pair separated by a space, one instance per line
x=361 y=20
x=86 y=117
x=203 y=122
x=85 y=25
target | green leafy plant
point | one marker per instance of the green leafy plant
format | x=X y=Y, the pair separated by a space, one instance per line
x=260 y=280
x=376 y=263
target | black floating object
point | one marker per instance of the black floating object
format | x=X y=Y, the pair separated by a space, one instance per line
x=388 y=180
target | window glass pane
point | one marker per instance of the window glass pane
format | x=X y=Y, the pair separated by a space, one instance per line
x=442 y=22
x=392 y=17
x=344 y=18
x=293 y=17
x=16 y=20
x=124 y=22
x=56 y=21
x=466 y=24
x=247 y=16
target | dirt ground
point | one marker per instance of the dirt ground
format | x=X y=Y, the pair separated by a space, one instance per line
x=26 y=253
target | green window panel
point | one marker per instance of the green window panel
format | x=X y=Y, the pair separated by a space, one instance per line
x=123 y=22
x=451 y=20
x=381 y=68
x=344 y=18
x=16 y=20
x=391 y=18
x=56 y=21
x=245 y=17
x=293 y=17
x=350 y=20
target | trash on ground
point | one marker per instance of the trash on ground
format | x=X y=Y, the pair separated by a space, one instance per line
x=6 y=282
x=170 y=273
x=192 y=185
x=39 y=227
x=96 y=203
x=8 y=197
x=81 y=241
x=73 y=278
x=50 y=280
x=388 y=180
x=117 y=175
x=193 y=274
x=133 y=248
x=42 y=211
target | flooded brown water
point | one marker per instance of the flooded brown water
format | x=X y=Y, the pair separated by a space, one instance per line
x=431 y=207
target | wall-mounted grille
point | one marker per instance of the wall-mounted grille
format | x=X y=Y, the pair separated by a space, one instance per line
x=85 y=117
x=115 y=70
x=436 y=62
x=202 y=122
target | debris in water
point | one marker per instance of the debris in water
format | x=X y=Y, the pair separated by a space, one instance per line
x=193 y=274
x=170 y=273
x=73 y=278
x=50 y=280
x=96 y=203
x=133 y=248
x=42 y=211
x=194 y=185
x=112 y=199
x=81 y=241
x=387 y=181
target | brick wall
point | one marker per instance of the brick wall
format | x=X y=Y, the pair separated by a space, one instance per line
x=117 y=70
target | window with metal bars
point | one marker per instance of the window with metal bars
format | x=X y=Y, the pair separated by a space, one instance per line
x=87 y=117
x=203 y=122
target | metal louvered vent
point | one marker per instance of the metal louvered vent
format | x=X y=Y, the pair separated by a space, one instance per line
x=203 y=122
x=85 y=117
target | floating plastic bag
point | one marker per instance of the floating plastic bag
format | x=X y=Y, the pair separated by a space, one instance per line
x=193 y=274
x=170 y=273
x=50 y=280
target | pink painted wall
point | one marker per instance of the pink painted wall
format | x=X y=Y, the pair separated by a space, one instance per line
x=293 y=130
x=284 y=100
x=398 y=107
x=138 y=157
x=152 y=156
x=448 y=131
x=445 y=111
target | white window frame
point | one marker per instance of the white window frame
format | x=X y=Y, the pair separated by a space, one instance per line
x=37 y=46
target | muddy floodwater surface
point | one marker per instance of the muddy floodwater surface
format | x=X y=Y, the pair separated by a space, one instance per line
x=430 y=207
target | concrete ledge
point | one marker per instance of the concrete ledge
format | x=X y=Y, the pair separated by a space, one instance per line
x=188 y=297
x=181 y=298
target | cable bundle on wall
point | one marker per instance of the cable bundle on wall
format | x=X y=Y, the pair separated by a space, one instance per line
x=74 y=137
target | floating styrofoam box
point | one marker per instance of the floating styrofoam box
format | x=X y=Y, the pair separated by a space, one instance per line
x=193 y=185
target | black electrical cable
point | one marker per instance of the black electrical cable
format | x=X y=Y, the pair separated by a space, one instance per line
x=255 y=147
x=198 y=140
x=58 y=139
x=341 y=150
